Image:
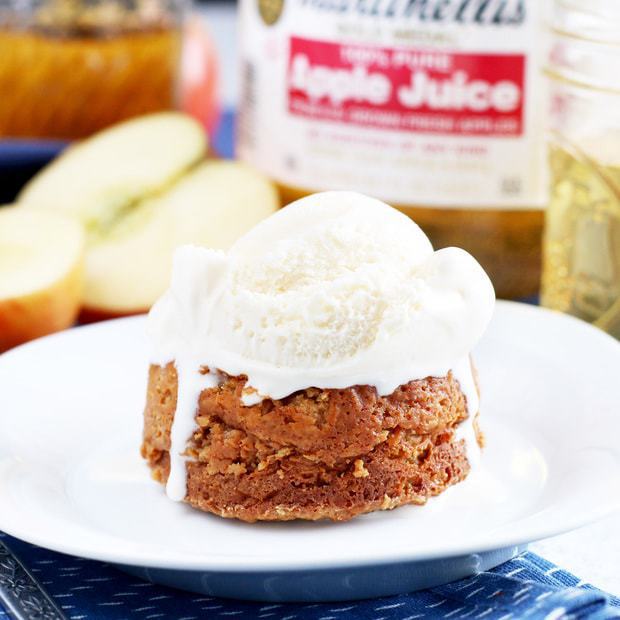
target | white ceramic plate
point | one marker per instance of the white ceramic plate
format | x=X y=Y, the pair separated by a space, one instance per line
x=71 y=478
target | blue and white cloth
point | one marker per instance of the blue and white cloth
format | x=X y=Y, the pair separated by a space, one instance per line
x=525 y=587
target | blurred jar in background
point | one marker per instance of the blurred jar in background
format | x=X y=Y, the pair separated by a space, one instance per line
x=435 y=106
x=581 y=272
x=71 y=67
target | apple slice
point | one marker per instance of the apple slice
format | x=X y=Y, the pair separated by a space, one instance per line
x=96 y=180
x=128 y=266
x=41 y=263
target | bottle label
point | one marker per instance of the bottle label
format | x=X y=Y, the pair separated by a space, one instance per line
x=416 y=111
x=406 y=89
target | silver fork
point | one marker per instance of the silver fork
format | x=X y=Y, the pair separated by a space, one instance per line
x=23 y=597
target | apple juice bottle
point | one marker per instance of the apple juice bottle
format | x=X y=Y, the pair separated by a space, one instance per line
x=435 y=106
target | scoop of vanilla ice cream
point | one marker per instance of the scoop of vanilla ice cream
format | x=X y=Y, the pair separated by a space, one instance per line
x=322 y=281
x=337 y=289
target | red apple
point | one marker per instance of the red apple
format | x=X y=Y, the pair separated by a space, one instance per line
x=199 y=75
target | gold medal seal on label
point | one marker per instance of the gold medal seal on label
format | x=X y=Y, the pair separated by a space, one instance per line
x=270 y=10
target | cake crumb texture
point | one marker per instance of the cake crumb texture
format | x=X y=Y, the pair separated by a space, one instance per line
x=316 y=454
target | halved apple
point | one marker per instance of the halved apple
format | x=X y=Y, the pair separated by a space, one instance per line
x=41 y=261
x=98 y=179
x=128 y=267
x=141 y=189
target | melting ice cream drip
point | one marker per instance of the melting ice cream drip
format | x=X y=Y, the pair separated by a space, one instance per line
x=190 y=383
x=463 y=372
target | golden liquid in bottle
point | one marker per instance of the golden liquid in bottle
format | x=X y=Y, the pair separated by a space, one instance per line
x=506 y=242
x=67 y=85
x=581 y=261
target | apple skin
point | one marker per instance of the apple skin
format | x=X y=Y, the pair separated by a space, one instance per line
x=94 y=315
x=41 y=312
x=199 y=75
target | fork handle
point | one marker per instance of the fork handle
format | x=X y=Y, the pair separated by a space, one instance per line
x=21 y=594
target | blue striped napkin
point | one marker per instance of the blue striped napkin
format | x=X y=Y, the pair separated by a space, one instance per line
x=525 y=587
